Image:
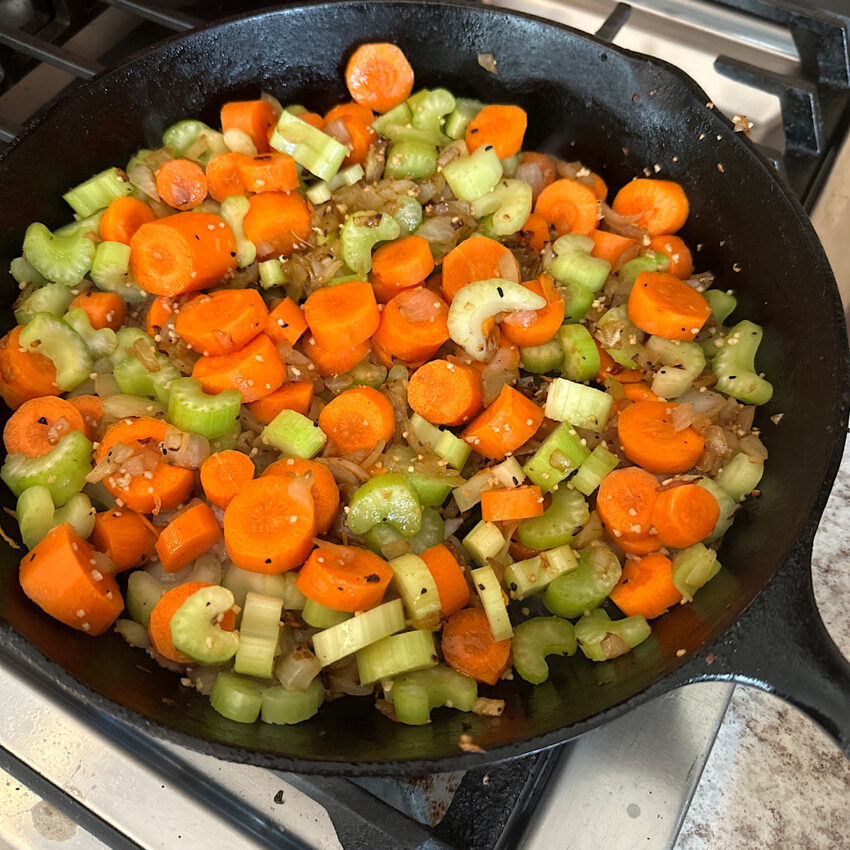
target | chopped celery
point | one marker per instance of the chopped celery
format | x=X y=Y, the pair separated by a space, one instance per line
x=535 y=639
x=485 y=228
x=578 y=300
x=272 y=274
x=319 y=193
x=542 y=358
x=734 y=365
x=294 y=434
x=510 y=165
x=624 y=344
x=52 y=298
x=400 y=135
x=652 y=262
x=281 y=706
x=24 y=273
x=195 y=632
x=483 y=542
x=476 y=302
x=414 y=695
x=181 y=135
x=581 y=406
x=255 y=656
x=58 y=341
x=428 y=108
x=587 y=586
x=134 y=378
x=385 y=498
x=36 y=514
x=228 y=441
x=682 y=362
x=471 y=177
x=395 y=655
x=559 y=523
x=138 y=158
x=242 y=582
x=368 y=374
x=399 y=115
x=492 y=599
x=560 y=454
x=508 y=473
x=465 y=110
x=191 y=409
x=535 y=574
x=693 y=568
x=600 y=638
x=261 y=616
x=320 y=616
x=237 y=697
x=78 y=512
x=509 y=202
x=574 y=265
x=581 y=356
x=740 y=476
x=353 y=634
x=312 y=149
x=594 y=469
x=722 y=304
x=444 y=444
x=98 y=192
x=361 y=232
x=408 y=159
x=408 y=213
x=233 y=211
x=110 y=271
x=88 y=227
x=468 y=495
x=418 y=590
x=61 y=259
x=100 y=343
x=383 y=535
x=127 y=338
x=429 y=490
x=728 y=506
x=143 y=592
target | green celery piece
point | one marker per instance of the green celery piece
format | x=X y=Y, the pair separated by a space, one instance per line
x=194 y=140
x=61 y=259
x=24 y=273
x=395 y=655
x=580 y=405
x=722 y=304
x=542 y=358
x=294 y=434
x=740 y=476
x=681 y=361
x=37 y=516
x=310 y=148
x=98 y=192
x=510 y=165
x=385 y=498
x=283 y=707
x=535 y=639
x=49 y=335
x=127 y=338
x=734 y=365
x=533 y=575
x=272 y=274
x=484 y=541
x=399 y=115
x=138 y=158
x=581 y=356
x=242 y=582
x=727 y=508
x=100 y=343
x=134 y=379
x=464 y=112
x=565 y=440
x=444 y=444
x=586 y=587
x=233 y=211
x=297 y=669
x=600 y=638
x=368 y=374
x=398 y=134
x=191 y=409
x=110 y=271
x=52 y=298
x=594 y=469
x=237 y=697
x=432 y=532
x=693 y=568
x=89 y=225
x=470 y=177
x=653 y=262
x=414 y=695
x=228 y=441
x=261 y=616
x=320 y=616
x=78 y=512
x=418 y=590
x=353 y=634
x=194 y=632
x=490 y=593
x=573 y=263
x=428 y=108
x=509 y=202
x=408 y=213
x=62 y=470
x=359 y=235
x=578 y=299
x=409 y=159
x=255 y=656
x=143 y=592
x=559 y=523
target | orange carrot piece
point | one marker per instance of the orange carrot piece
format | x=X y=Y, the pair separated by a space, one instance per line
x=161 y=310
x=293 y=395
x=610 y=368
x=684 y=515
x=224 y=176
x=399 y=265
x=167 y=486
x=342 y=315
x=665 y=306
x=625 y=500
x=332 y=360
x=445 y=393
x=269 y=172
x=59 y=577
x=182 y=253
x=504 y=426
x=277 y=223
x=534 y=327
x=599 y=187
x=637 y=391
x=357 y=120
x=535 y=232
x=104 y=309
x=639 y=544
x=503 y=127
x=224 y=474
x=269 y=524
x=609 y=246
x=128 y=539
x=38 y=425
x=511 y=503
x=91 y=409
x=449 y=577
x=122 y=218
x=345 y=578
x=313 y=119
x=358 y=419
x=677 y=252
x=470 y=648
x=222 y=321
x=646 y=587
x=324 y=489
x=413 y=326
x=159 y=624
x=181 y=184
x=379 y=76
x=255 y=370
x=661 y=204
x=569 y=206
x=647 y=437
x=187 y=537
x=477 y=258
x=254 y=117
x=26 y=374
x=286 y=322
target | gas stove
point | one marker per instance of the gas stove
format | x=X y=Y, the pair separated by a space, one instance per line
x=70 y=774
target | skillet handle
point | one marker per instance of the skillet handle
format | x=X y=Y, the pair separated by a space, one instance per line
x=781 y=645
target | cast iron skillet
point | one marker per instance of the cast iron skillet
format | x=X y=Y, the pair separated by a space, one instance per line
x=619 y=113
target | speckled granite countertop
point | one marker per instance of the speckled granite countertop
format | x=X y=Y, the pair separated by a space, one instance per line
x=773 y=778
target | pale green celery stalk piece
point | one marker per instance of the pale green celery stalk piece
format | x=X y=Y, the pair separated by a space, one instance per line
x=110 y=272
x=233 y=211
x=682 y=362
x=722 y=304
x=52 y=298
x=484 y=541
x=734 y=365
x=574 y=265
x=509 y=202
x=294 y=434
x=49 y=335
x=693 y=568
x=418 y=590
x=98 y=191
x=100 y=343
x=236 y=697
x=353 y=634
x=310 y=148
x=396 y=655
x=191 y=409
x=61 y=259
x=578 y=404
x=414 y=695
x=24 y=273
x=194 y=631
x=464 y=112
x=471 y=177
x=361 y=232
x=537 y=638
x=272 y=274
x=410 y=159
x=601 y=638
x=490 y=593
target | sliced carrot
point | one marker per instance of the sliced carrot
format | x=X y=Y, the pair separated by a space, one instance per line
x=445 y=393
x=269 y=524
x=534 y=327
x=358 y=419
x=609 y=246
x=535 y=232
x=665 y=306
x=59 y=576
x=504 y=426
x=661 y=205
x=569 y=206
x=224 y=474
x=646 y=587
x=38 y=425
x=128 y=539
x=639 y=544
x=254 y=117
x=379 y=76
x=162 y=308
x=313 y=119
x=224 y=176
x=342 y=315
x=182 y=253
x=222 y=321
x=477 y=258
x=286 y=322
x=414 y=324
x=345 y=578
x=324 y=489
x=610 y=368
x=26 y=374
x=159 y=624
x=677 y=252
x=277 y=223
x=293 y=395
x=470 y=648
x=332 y=360
x=625 y=501
x=255 y=370
x=648 y=438
x=181 y=184
x=91 y=409
x=511 y=503
x=684 y=515
x=187 y=537
x=449 y=577
x=637 y=391
x=104 y=309
x=399 y=265
x=502 y=127
x=358 y=124
x=122 y=218
x=600 y=187
x=269 y=172
x=167 y=486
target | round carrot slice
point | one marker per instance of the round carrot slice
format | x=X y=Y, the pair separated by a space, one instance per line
x=648 y=438
x=342 y=315
x=684 y=515
x=646 y=587
x=445 y=393
x=123 y=217
x=661 y=205
x=477 y=258
x=277 y=223
x=127 y=538
x=224 y=474
x=255 y=370
x=181 y=184
x=323 y=489
x=534 y=327
x=414 y=325
x=222 y=321
x=503 y=127
x=345 y=578
x=449 y=577
x=625 y=501
x=677 y=252
x=38 y=425
x=379 y=76
x=665 y=306
x=357 y=419
x=569 y=206
x=470 y=648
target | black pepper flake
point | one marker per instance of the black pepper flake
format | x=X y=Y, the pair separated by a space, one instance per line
x=423 y=591
x=232 y=253
x=372 y=578
x=732 y=377
x=268 y=560
x=197 y=237
x=481 y=587
x=500 y=291
x=513 y=585
x=278 y=798
x=42 y=420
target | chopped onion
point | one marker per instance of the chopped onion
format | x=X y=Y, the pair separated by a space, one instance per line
x=191 y=453
x=531 y=173
x=753 y=447
x=342 y=678
x=487 y=707
x=488 y=62
x=134 y=633
x=683 y=415
x=614 y=646
x=297 y=669
x=419 y=304
x=501 y=371
x=336 y=129
x=438 y=229
x=623 y=225
x=142 y=178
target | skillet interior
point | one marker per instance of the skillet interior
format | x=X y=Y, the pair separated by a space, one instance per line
x=616 y=112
